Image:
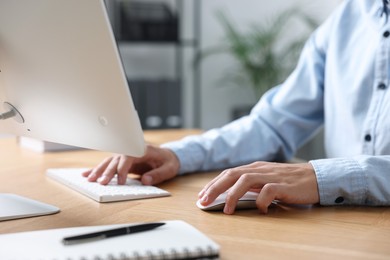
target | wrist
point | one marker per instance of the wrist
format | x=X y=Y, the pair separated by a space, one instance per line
x=174 y=160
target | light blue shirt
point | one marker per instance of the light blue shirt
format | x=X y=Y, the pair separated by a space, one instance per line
x=341 y=83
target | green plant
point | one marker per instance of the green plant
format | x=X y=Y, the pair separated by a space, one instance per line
x=262 y=58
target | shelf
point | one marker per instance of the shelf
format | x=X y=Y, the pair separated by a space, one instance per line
x=157 y=102
x=136 y=23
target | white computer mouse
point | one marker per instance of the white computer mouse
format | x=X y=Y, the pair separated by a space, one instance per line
x=248 y=201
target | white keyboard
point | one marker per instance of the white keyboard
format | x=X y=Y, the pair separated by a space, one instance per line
x=133 y=189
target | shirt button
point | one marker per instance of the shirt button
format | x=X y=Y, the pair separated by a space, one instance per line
x=339 y=200
x=382 y=86
x=367 y=138
x=386 y=34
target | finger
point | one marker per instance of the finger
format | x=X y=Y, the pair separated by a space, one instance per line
x=96 y=172
x=267 y=195
x=123 y=167
x=207 y=186
x=109 y=172
x=220 y=185
x=252 y=167
x=242 y=185
x=213 y=181
x=86 y=173
x=157 y=175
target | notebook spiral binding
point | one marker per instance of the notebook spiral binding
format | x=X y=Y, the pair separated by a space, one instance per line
x=185 y=253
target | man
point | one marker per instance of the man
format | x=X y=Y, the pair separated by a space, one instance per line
x=341 y=82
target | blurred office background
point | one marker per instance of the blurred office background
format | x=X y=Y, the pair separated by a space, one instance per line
x=161 y=40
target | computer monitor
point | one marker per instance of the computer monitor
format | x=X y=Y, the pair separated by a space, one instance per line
x=62 y=79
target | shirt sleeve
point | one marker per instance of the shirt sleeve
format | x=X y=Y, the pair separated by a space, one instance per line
x=240 y=142
x=360 y=180
x=282 y=121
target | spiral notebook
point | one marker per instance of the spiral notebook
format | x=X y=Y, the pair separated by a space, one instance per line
x=174 y=240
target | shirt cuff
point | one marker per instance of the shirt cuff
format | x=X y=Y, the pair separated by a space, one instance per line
x=189 y=155
x=341 y=181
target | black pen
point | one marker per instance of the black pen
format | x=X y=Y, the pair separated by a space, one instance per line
x=110 y=233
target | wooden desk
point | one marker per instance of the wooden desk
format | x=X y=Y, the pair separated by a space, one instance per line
x=284 y=233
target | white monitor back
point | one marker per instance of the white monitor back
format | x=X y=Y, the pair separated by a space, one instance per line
x=61 y=69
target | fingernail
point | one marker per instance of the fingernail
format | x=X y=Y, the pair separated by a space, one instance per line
x=102 y=179
x=200 y=194
x=205 y=198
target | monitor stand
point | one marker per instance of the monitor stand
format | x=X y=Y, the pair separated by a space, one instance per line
x=15 y=206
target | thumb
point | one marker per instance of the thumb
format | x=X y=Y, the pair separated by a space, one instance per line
x=157 y=175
